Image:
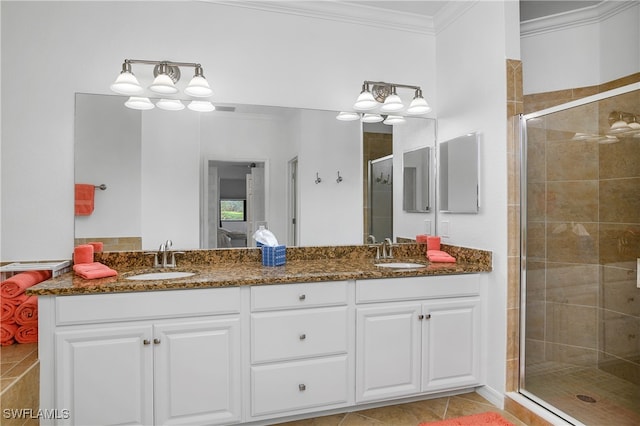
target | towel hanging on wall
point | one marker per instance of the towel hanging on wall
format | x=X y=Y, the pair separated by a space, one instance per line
x=84 y=199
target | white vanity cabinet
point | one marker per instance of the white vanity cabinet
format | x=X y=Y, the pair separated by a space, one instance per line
x=416 y=335
x=146 y=358
x=300 y=356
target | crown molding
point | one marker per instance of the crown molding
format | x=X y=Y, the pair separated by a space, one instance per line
x=576 y=18
x=343 y=12
x=450 y=12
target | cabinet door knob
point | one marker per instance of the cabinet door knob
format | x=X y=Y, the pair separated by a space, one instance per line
x=420 y=317
x=428 y=316
x=156 y=341
x=303 y=336
x=146 y=342
x=302 y=296
x=302 y=387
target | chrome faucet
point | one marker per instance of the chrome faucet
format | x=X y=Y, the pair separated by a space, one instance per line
x=387 y=249
x=166 y=254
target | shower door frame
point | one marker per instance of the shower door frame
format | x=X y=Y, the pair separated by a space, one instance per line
x=523 y=118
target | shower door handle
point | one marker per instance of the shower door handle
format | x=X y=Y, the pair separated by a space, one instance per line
x=638 y=274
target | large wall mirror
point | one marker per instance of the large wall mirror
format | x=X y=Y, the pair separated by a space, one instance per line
x=458 y=174
x=191 y=177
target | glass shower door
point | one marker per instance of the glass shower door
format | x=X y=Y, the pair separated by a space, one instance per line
x=581 y=241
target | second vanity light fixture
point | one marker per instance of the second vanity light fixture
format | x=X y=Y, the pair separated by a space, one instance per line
x=166 y=74
x=379 y=101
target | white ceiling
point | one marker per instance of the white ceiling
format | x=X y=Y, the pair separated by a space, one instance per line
x=529 y=9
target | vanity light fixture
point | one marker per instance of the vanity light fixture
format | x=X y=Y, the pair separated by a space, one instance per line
x=379 y=97
x=166 y=74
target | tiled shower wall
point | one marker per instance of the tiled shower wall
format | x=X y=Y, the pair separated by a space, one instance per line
x=583 y=238
x=375 y=145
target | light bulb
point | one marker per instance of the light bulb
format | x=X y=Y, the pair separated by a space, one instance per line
x=348 y=116
x=418 y=105
x=371 y=118
x=394 y=119
x=393 y=103
x=365 y=100
x=198 y=87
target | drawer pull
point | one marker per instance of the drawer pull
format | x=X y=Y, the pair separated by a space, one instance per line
x=421 y=317
x=303 y=336
x=156 y=341
x=146 y=342
x=302 y=387
x=302 y=297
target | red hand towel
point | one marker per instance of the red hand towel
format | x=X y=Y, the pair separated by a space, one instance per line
x=9 y=307
x=27 y=333
x=7 y=333
x=422 y=239
x=84 y=199
x=27 y=312
x=433 y=243
x=83 y=254
x=442 y=259
x=17 y=284
x=90 y=271
x=97 y=246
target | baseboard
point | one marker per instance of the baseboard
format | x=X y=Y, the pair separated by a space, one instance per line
x=492 y=395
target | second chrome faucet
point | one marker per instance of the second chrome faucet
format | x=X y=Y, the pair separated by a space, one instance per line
x=165 y=257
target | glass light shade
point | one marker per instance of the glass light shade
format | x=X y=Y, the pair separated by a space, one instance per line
x=418 y=106
x=163 y=85
x=371 y=118
x=365 y=101
x=394 y=119
x=348 y=116
x=634 y=125
x=393 y=103
x=135 y=102
x=201 y=106
x=170 y=104
x=198 y=87
x=127 y=84
x=619 y=126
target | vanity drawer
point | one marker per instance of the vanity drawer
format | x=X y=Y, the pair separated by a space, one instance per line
x=286 y=335
x=97 y=308
x=299 y=385
x=426 y=287
x=304 y=295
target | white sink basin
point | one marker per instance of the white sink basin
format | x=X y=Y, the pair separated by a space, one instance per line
x=400 y=265
x=172 y=275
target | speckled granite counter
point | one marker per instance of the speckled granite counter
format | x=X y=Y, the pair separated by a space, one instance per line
x=240 y=267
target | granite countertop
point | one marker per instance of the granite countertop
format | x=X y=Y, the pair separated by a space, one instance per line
x=241 y=267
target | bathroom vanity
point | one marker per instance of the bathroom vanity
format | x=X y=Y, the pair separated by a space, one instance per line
x=262 y=345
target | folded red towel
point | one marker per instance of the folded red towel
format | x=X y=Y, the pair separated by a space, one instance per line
x=97 y=246
x=9 y=306
x=27 y=312
x=27 y=333
x=433 y=243
x=83 y=254
x=440 y=256
x=84 y=194
x=17 y=284
x=7 y=333
x=90 y=271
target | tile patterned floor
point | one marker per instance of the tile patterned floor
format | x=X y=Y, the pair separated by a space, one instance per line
x=411 y=414
x=617 y=401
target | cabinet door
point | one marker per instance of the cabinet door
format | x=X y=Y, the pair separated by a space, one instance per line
x=387 y=351
x=104 y=375
x=197 y=377
x=451 y=344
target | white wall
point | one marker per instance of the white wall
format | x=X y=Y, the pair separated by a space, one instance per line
x=580 y=49
x=51 y=50
x=471 y=70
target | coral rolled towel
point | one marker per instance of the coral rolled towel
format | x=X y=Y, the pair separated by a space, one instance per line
x=7 y=333
x=422 y=239
x=83 y=254
x=9 y=307
x=27 y=333
x=17 y=284
x=90 y=271
x=84 y=194
x=27 y=312
x=97 y=246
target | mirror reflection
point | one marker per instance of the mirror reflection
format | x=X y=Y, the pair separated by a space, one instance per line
x=207 y=180
x=416 y=170
x=458 y=174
